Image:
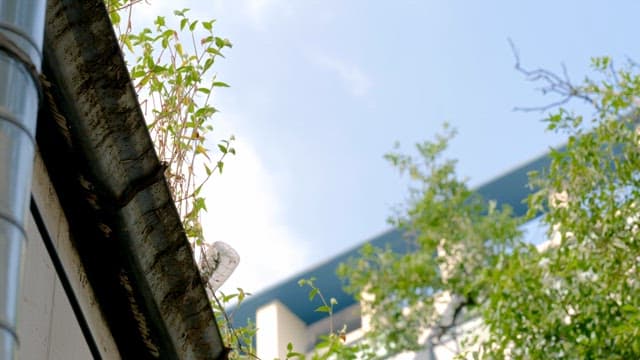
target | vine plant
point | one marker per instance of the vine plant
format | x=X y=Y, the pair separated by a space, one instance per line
x=172 y=74
x=171 y=65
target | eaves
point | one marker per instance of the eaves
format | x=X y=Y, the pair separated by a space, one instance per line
x=124 y=223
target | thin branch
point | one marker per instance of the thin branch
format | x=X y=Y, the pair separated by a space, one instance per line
x=614 y=73
x=552 y=84
x=543 y=108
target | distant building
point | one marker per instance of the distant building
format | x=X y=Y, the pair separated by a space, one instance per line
x=107 y=271
x=282 y=313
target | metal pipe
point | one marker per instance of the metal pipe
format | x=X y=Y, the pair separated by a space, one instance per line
x=21 y=36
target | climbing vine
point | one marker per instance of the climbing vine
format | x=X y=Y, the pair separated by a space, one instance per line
x=171 y=65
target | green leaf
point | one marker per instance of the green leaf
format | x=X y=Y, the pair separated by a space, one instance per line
x=323 y=308
x=160 y=21
x=220 y=84
x=220 y=42
x=201 y=149
x=207 y=64
x=180 y=12
x=115 y=17
x=168 y=33
x=214 y=51
x=205 y=111
x=138 y=74
x=313 y=293
x=127 y=42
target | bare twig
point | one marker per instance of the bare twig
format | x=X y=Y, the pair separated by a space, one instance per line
x=552 y=84
x=614 y=73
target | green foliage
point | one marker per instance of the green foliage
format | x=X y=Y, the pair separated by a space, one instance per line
x=173 y=76
x=332 y=345
x=174 y=80
x=576 y=298
x=579 y=298
x=456 y=240
x=238 y=340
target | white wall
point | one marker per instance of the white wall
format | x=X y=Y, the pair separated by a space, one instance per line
x=277 y=326
x=47 y=326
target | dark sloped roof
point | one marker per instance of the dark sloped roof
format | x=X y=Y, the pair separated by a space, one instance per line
x=95 y=143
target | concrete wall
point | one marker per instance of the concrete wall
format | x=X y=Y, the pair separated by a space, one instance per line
x=277 y=326
x=47 y=325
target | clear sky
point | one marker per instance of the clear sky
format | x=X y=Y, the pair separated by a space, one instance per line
x=320 y=90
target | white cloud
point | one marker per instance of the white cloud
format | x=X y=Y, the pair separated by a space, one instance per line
x=255 y=13
x=244 y=212
x=243 y=206
x=258 y=10
x=261 y=12
x=352 y=76
x=258 y=14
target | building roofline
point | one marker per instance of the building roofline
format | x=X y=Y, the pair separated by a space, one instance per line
x=123 y=221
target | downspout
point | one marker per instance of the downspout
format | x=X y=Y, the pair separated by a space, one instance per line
x=21 y=36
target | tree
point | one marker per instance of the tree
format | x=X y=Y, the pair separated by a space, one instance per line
x=577 y=298
x=580 y=298
x=455 y=238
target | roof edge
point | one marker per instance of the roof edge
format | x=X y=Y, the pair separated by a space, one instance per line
x=123 y=219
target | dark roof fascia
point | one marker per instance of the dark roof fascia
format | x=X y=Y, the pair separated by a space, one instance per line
x=101 y=159
x=510 y=188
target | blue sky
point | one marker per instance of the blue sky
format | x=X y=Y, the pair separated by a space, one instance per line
x=320 y=90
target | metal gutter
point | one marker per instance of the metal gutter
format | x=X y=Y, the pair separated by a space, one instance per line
x=123 y=221
x=21 y=32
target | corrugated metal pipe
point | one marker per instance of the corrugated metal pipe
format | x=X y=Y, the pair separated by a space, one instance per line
x=21 y=34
